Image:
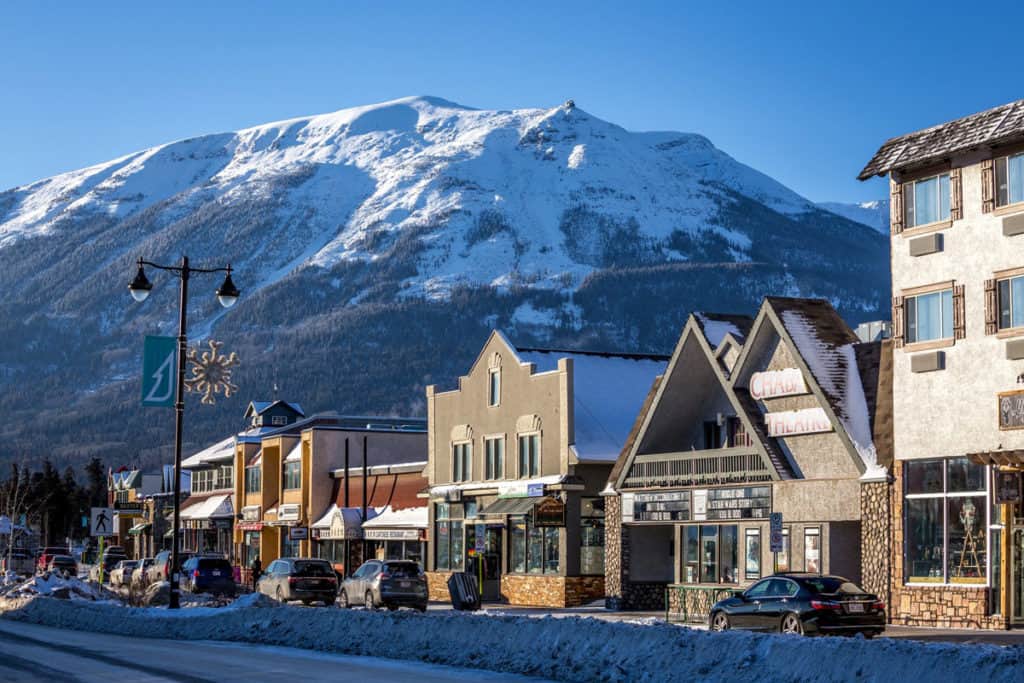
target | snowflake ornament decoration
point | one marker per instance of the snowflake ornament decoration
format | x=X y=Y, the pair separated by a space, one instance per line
x=211 y=372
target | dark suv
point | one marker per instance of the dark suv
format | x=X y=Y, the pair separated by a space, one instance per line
x=208 y=575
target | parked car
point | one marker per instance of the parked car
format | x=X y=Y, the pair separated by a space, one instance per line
x=161 y=569
x=391 y=583
x=803 y=604
x=108 y=563
x=64 y=565
x=46 y=554
x=208 y=575
x=300 y=578
x=20 y=563
x=138 y=579
x=122 y=572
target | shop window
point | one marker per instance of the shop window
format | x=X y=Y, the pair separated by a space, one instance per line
x=929 y=316
x=926 y=201
x=812 y=550
x=1009 y=179
x=782 y=557
x=592 y=536
x=529 y=455
x=225 y=477
x=752 y=554
x=710 y=553
x=494 y=388
x=533 y=549
x=462 y=457
x=494 y=458
x=293 y=475
x=253 y=479
x=449 y=554
x=946 y=508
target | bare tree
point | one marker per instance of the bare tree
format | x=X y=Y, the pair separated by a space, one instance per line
x=18 y=501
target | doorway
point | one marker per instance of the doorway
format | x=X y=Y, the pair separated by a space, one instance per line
x=492 y=563
x=1017 y=576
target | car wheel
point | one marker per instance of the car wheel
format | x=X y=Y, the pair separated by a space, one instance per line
x=791 y=623
x=720 y=622
x=307 y=603
x=343 y=599
x=279 y=595
x=421 y=608
x=368 y=600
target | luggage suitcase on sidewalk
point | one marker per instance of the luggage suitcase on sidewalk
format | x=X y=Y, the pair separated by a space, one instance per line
x=463 y=590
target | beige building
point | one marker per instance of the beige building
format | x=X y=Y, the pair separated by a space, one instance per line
x=776 y=414
x=518 y=455
x=957 y=200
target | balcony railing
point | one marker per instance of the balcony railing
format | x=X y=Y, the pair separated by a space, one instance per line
x=693 y=468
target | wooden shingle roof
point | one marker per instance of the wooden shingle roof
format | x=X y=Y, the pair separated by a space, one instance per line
x=988 y=128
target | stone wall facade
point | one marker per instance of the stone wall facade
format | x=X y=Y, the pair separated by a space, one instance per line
x=620 y=592
x=943 y=606
x=437 y=586
x=875 y=540
x=531 y=591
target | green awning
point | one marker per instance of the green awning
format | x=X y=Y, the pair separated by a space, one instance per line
x=139 y=529
x=509 y=506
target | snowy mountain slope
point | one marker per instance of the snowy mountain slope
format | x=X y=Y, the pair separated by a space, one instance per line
x=363 y=238
x=874 y=214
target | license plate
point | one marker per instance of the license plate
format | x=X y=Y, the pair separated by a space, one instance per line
x=855 y=607
x=215 y=573
x=404 y=584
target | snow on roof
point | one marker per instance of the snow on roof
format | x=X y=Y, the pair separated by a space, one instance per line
x=834 y=366
x=262 y=406
x=208 y=508
x=406 y=518
x=500 y=485
x=221 y=450
x=608 y=391
x=717 y=325
x=353 y=517
x=295 y=454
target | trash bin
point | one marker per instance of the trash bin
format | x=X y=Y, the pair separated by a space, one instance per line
x=464 y=591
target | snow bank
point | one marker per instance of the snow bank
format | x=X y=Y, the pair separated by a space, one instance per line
x=565 y=648
x=50 y=584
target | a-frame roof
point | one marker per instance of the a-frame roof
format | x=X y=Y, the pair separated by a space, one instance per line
x=695 y=332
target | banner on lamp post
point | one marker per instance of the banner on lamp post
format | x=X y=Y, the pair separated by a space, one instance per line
x=159 y=371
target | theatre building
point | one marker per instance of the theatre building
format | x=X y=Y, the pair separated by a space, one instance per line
x=518 y=455
x=957 y=245
x=776 y=414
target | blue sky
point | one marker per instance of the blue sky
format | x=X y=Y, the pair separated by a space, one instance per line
x=803 y=91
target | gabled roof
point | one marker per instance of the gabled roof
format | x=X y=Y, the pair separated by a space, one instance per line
x=717 y=326
x=222 y=450
x=260 y=407
x=999 y=125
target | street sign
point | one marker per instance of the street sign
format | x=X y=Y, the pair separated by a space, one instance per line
x=159 y=371
x=775 y=531
x=481 y=538
x=101 y=522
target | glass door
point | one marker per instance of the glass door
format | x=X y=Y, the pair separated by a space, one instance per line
x=1017 y=576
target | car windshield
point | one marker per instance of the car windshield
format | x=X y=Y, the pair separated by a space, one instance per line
x=831 y=585
x=313 y=569
x=62 y=558
x=402 y=570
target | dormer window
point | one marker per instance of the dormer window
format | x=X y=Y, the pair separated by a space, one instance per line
x=1010 y=179
x=494 y=388
x=279 y=420
x=926 y=201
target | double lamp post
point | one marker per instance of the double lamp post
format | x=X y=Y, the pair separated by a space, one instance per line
x=227 y=294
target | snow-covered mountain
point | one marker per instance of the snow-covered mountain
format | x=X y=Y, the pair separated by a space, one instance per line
x=874 y=214
x=391 y=237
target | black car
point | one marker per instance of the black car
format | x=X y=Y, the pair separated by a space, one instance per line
x=803 y=604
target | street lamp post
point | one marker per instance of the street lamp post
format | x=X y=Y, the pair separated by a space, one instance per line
x=227 y=294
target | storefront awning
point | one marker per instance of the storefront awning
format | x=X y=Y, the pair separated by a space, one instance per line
x=407 y=524
x=999 y=458
x=212 y=507
x=339 y=524
x=249 y=526
x=509 y=506
x=139 y=529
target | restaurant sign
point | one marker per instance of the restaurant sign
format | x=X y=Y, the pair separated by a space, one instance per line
x=776 y=383
x=792 y=422
x=1011 y=410
x=1007 y=488
x=549 y=512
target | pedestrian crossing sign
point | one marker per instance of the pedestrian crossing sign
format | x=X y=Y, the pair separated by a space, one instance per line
x=101 y=522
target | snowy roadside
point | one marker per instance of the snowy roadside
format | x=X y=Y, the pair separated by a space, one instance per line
x=567 y=648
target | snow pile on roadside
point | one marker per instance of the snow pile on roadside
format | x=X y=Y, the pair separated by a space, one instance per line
x=54 y=585
x=567 y=649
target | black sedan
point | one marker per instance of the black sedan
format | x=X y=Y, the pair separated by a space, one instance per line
x=802 y=604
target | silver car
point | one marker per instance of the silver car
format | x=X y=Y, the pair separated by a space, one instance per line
x=391 y=583
x=140 y=574
x=300 y=578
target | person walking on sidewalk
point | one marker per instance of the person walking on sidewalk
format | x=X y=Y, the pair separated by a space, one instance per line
x=256 y=568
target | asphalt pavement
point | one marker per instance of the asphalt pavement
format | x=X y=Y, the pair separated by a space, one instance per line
x=30 y=653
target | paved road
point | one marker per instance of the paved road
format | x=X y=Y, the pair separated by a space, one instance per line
x=30 y=653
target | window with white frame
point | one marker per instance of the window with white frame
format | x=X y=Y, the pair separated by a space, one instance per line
x=225 y=476
x=253 y=479
x=494 y=387
x=1010 y=179
x=278 y=420
x=945 y=521
x=462 y=457
x=293 y=475
x=929 y=316
x=1011 y=302
x=529 y=455
x=926 y=201
x=494 y=457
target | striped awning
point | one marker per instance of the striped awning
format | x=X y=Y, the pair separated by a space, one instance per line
x=509 y=506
